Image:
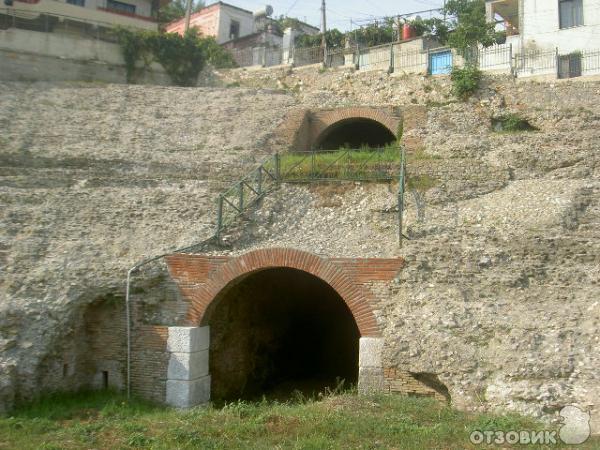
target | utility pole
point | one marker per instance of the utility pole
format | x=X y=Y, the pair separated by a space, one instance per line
x=188 y=13
x=324 y=30
x=323 y=23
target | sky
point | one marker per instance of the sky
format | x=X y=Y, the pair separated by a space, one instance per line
x=339 y=12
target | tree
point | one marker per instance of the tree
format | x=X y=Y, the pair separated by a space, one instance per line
x=182 y=57
x=432 y=27
x=375 y=34
x=175 y=10
x=469 y=25
x=334 y=38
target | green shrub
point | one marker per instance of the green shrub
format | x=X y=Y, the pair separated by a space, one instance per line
x=183 y=57
x=421 y=183
x=465 y=81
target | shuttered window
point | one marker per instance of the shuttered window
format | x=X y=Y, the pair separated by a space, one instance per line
x=571 y=13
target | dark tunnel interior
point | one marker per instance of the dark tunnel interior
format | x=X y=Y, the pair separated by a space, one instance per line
x=355 y=133
x=277 y=331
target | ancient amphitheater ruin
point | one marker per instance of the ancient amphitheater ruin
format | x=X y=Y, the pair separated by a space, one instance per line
x=490 y=303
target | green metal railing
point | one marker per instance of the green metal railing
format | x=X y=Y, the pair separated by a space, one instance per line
x=247 y=192
x=401 y=191
x=340 y=165
x=384 y=164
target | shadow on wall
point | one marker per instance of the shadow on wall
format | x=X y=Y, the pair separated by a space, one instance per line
x=432 y=381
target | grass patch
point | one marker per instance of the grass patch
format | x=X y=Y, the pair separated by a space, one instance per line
x=421 y=183
x=82 y=405
x=105 y=420
x=420 y=155
x=342 y=164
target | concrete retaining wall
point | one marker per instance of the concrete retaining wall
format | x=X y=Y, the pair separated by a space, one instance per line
x=35 y=56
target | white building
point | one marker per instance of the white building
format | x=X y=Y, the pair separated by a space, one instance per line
x=56 y=15
x=566 y=25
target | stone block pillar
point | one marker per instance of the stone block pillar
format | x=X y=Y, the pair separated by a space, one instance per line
x=370 y=365
x=289 y=39
x=350 y=58
x=188 y=379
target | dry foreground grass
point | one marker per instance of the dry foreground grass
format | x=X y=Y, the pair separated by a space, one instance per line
x=104 y=420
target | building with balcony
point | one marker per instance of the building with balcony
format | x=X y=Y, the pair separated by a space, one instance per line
x=567 y=25
x=78 y=15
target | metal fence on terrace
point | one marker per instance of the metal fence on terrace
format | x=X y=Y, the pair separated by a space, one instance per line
x=410 y=61
x=591 y=62
x=273 y=56
x=504 y=58
x=535 y=62
x=379 y=57
x=496 y=57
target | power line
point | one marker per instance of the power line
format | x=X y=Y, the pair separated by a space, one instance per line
x=291 y=7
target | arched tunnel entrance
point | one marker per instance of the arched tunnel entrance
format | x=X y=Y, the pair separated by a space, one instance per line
x=277 y=330
x=355 y=133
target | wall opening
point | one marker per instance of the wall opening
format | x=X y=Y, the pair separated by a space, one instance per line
x=355 y=133
x=278 y=330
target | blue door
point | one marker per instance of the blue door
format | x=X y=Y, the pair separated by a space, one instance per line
x=440 y=63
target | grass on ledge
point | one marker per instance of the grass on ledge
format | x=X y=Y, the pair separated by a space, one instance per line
x=107 y=420
x=344 y=164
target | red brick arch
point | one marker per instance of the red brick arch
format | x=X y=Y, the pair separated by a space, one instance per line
x=324 y=119
x=357 y=297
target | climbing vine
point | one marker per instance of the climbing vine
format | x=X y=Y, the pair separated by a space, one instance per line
x=182 y=57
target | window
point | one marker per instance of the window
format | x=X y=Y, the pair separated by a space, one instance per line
x=571 y=13
x=114 y=5
x=234 y=30
x=76 y=2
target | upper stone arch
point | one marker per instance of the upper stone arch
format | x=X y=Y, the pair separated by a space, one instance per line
x=304 y=129
x=323 y=120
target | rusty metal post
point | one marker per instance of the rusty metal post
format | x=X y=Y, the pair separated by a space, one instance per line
x=401 y=188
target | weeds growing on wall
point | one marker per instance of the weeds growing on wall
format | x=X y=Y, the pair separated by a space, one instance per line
x=511 y=123
x=182 y=57
x=465 y=81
